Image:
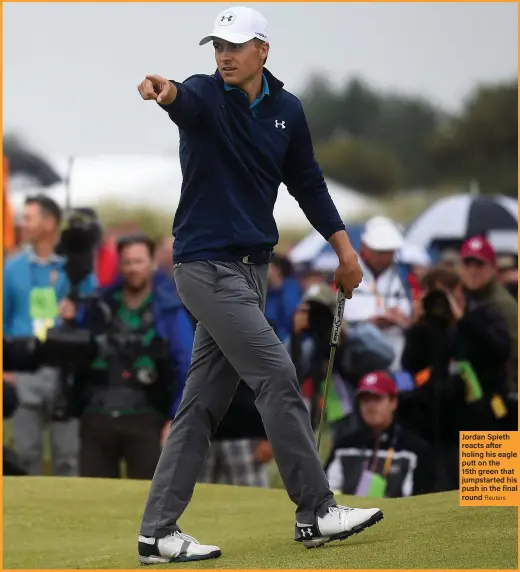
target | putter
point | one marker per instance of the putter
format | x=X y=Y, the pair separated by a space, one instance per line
x=334 y=340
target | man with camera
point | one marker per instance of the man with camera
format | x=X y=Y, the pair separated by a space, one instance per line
x=35 y=281
x=127 y=396
x=459 y=353
x=362 y=349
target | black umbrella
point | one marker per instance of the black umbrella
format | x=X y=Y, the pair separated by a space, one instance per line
x=30 y=164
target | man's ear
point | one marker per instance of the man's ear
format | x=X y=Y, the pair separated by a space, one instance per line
x=264 y=51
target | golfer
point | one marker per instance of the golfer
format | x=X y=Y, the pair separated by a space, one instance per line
x=241 y=136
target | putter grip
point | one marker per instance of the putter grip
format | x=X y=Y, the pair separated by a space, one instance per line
x=338 y=319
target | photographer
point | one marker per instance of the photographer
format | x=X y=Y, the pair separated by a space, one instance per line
x=460 y=352
x=362 y=349
x=35 y=281
x=129 y=393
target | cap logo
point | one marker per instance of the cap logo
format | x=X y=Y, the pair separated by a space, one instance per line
x=475 y=244
x=371 y=379
x=313 y=290
x=227 y=18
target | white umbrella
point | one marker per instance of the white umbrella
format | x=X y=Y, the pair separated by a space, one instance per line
x=458 y=217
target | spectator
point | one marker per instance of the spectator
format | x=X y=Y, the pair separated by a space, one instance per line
x=106 y=262
x=127 y=394
x=459 y=353
x=164 y=265
x=34 y=283
x=381 y=458
x=384 y=295
x=283 y=296
x=362 y=349
x=450 y=258
x=507 y=266
x=480 y=279
x=239 y=450
x=164 y=255
x=310 y=277
x=417 y=261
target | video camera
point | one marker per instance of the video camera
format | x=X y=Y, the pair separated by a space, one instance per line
x=78 y=242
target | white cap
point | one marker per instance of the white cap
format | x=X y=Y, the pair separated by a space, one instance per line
x=382 y=234
x=238 y=25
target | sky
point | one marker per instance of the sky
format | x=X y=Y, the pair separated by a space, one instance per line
x=71 y=70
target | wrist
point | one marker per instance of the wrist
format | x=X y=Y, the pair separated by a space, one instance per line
x=348 y=258
x=341 y=244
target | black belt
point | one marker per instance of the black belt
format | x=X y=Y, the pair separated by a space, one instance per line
x=263 y=257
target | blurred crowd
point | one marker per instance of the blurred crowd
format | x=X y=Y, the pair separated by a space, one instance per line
x=428 y=348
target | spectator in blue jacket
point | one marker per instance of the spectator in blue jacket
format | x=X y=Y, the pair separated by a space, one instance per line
x=34 y=284
x=128 y=395
x=283 y=296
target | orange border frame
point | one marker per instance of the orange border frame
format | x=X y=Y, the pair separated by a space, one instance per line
x=1 y=271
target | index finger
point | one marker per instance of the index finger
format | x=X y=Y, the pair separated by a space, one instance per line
x=155 y=79
x=146 y=89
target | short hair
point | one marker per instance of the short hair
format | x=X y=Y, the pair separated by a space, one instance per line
x=124 y=242
x=441 y=274
x=260 y=42
x=48 y=206
x=283 y=264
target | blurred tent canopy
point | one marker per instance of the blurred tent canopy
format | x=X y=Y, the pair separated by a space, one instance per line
x=154 y=182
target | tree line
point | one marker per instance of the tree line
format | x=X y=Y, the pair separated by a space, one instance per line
x=379 y=143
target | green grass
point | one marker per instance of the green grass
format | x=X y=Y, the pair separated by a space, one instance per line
x=83 y=523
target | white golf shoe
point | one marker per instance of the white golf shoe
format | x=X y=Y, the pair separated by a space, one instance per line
x=339 y=523
x=176 y=547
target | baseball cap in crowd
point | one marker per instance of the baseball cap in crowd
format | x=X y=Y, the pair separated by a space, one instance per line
x=321 y=293
x=238 y=25
x=382 y=234
x=414 y=255
x=378 y=383
x=478 y=248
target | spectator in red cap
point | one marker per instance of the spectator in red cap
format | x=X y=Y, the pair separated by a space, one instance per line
x=382 y=458
x=480 y=278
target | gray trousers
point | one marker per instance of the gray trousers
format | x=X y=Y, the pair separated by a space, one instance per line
x=234 y=341
x=29 y=424
x=36 y=392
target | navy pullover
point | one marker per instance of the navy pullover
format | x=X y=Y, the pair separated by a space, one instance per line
x=233 y=159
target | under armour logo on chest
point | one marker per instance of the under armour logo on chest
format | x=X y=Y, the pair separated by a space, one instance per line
x=279 y=124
